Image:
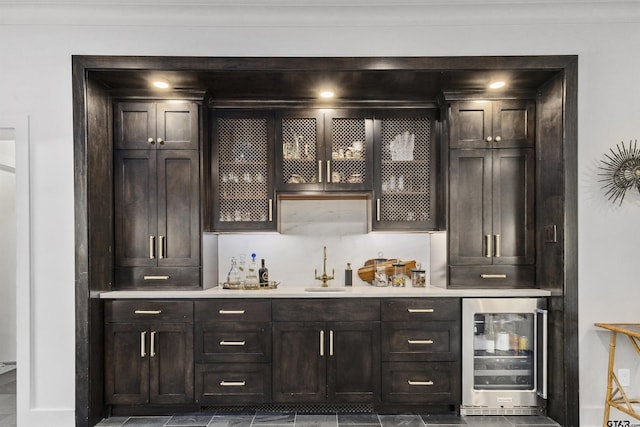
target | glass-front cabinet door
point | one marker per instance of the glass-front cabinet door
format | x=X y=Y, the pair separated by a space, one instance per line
x=324 y=150
x=242 y=171
x=404 y=190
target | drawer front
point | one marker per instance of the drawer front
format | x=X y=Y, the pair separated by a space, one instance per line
x=148 y=311
x=233 y=342
x=421 y=382
x=157 y=278
x=492 y=276
x=415 y=341
x=326 y=310
x=235 y=310
x=233 y=383
x=421 y=309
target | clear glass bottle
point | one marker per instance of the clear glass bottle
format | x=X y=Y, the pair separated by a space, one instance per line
x=490 y=335
x=233 y=278
x=251 y=280
x=398 y=278
x=380 y=272
x=242 y=268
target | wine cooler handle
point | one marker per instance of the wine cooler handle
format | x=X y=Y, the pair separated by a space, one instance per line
x=542 y=391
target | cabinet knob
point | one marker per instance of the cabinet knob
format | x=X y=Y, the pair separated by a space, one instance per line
x=489 y=139
x=498 y=139
x=151 y=141
x=160 y=141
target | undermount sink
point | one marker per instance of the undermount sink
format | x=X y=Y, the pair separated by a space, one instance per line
x=320 y=289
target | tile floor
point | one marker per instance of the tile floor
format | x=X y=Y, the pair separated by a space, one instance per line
x=278 y=419
x=292 y=419
x=8 y=398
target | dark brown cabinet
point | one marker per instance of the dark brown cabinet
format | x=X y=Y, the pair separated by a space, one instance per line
x=233 y=351
x=492 y=124
x=421 y=351
x=148 y=352
x=317 y=360
x=162 y=125
x=405 y=170
x=157 y=219
x=324 y=150
x=491 y=218
x=242 y=172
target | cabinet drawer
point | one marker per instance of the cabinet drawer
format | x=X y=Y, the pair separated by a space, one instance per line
x=421 y=382
x=157 y=278
x=417 y=341
x=492 y=276
x=421 y=309
x=233 y=383
x=233 y=342
x=326 y=310
x=148 y=311
x=236 y=310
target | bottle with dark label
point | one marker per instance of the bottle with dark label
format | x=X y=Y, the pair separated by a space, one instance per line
x=264 y=275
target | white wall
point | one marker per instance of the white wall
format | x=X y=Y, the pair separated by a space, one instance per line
x=7 y=247
x=39 y=39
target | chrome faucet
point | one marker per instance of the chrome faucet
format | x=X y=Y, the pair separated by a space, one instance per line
x=324 y=278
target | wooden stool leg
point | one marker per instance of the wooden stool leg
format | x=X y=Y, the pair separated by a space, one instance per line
x=612 y=355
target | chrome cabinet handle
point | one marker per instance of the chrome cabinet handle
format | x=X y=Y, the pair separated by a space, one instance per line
x=147 y=312
x=487 y=239
x=236 y=343
x=320 y=171
x=152 y=247
x=232 y=383
x=270 y=210
x=162 y=248
x=330 y=342
x=420 y=383
x=493 y=276
x=420 y=341
x=420 y=310
x=497 y=245
x=377 y=209
x=321 y=343
x=153 y=344
x=164 y=277
x=143 y=347
x=542 y=390
x=328 y=170
x=231 y=311
x=151 y=141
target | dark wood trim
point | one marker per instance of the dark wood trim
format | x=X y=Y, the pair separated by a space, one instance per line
x=88 y=314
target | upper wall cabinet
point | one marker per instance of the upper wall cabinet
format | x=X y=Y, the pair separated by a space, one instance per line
x=405 y=170
x=162 y=125
x=492 y=124
x=242 y=170
x=324 y=150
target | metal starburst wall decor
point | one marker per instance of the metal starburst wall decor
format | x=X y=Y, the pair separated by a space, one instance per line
x=621 y=171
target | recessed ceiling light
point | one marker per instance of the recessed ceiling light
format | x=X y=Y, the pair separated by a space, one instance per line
x=327 y=94
x=497 y=85
x=161 y=84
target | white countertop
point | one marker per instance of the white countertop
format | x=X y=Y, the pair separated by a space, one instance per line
x=356 y=291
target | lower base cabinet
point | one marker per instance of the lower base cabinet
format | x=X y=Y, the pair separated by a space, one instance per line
x=148 y=352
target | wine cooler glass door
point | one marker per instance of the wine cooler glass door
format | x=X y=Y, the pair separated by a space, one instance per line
x=502 y=351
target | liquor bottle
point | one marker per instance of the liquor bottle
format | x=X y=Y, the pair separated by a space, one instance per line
x=490 y=339
x=502 y=337
x=251 y=279
x=264 y=275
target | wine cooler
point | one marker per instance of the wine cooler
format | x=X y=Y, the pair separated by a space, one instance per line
x=504 y=350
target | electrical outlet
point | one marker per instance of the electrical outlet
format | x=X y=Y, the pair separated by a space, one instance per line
x=624 y=377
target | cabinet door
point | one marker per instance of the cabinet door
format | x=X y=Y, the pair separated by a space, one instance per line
x=348 y=150
x=300 y=153
x=353 y=371
x=243 y=171
x=299 y=362
x=126 y=363
x=470 y=219
x=178 y=231
x=134 y=125
x=513 y=213
x=513 y=124
x=177 y=126
x=471 y=124
x=405 y=187
x=171 y=363
x=135 y=202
